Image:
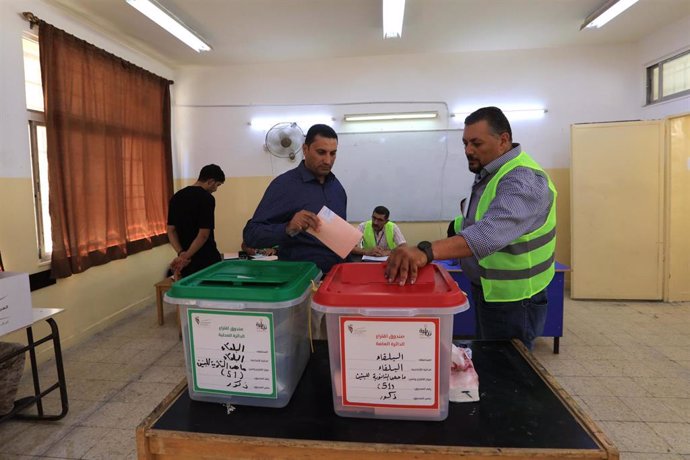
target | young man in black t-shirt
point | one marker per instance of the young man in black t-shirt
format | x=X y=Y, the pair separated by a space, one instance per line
x=191 y=222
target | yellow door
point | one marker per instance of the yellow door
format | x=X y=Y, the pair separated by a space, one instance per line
x=617 y=210
x=678 y=206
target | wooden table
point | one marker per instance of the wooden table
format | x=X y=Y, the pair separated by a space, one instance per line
x=161 y=288
x=523 y=414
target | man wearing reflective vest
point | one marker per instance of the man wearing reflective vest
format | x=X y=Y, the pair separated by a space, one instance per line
x=508 y=239
x=379 y=235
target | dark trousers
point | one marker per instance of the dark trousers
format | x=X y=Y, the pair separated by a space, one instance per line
x=522 y=319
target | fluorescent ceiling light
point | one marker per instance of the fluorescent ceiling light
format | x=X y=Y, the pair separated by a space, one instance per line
x=512 y=115
x=164 y=18
x=391 y=116
x=606 y=12
x=304 y=121
x=393 y=13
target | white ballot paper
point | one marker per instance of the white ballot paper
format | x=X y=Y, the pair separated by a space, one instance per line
x=339 y=236
x=366 y=258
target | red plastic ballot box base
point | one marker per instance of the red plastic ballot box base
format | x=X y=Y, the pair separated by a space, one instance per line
x=389 y=345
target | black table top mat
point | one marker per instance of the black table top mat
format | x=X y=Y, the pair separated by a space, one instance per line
x=517 y=410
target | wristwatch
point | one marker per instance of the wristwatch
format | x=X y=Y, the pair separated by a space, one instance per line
x=425 y=247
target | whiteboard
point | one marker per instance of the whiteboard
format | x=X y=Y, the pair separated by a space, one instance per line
x=417 y=175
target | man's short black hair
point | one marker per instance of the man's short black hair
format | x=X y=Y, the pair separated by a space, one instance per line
x=382 y=210
x=211 y=172
x=495 y=118
x=320 y=130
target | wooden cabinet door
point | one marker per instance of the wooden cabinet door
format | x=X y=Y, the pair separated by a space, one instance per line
x=678 y=206
x=617 y=210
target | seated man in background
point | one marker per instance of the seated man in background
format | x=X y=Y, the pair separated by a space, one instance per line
x=380 y=236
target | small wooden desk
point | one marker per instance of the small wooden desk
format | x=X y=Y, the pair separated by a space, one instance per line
x=41 y=314
x=523 y=414
x=161 y=288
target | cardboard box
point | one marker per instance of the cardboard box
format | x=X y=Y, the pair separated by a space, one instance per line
x=15 y=302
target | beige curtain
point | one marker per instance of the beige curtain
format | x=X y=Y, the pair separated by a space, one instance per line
x=109 y=153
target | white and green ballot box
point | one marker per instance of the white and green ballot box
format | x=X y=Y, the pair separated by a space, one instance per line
x=245 y=330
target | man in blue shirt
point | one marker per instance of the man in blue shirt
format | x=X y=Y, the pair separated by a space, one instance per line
x=292 y=200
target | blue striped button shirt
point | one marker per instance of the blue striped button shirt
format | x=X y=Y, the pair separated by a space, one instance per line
x=521 y=206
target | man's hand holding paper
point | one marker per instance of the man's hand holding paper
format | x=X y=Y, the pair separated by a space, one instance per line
x=302 y=221
x=333 y=231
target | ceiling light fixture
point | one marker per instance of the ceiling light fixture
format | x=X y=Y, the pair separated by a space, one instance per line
x=393 y=13
x=164 y=18
x=606 y=12
x=391 y=116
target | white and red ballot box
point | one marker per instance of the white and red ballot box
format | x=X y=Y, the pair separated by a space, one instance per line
x=15 y=302
x=389 y=345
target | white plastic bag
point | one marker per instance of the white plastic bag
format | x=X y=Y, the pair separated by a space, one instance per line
x=464 y=381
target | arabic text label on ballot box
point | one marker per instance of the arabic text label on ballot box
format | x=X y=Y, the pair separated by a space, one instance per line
x=389 y=345
x=245 y=330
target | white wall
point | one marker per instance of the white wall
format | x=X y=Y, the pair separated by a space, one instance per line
x=100 y=296
x=575 y=85
x=14 y=143
x=15 y=158
x=664 y=43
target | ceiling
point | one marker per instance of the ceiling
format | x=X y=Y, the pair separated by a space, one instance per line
x=253 y=31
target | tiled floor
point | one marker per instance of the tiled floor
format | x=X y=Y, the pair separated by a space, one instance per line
x=626 y=363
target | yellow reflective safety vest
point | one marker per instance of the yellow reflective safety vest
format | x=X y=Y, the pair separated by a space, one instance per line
x=457 y=224
x=526 y=265
x=369 y=239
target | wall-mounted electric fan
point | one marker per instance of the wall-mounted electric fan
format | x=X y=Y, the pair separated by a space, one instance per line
x=284 y=140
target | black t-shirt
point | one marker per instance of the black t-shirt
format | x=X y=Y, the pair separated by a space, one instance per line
x=191 y=209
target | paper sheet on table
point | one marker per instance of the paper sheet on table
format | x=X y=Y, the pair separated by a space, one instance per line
x=339 y=236
x=374 y=258
x=263 y=257
x=231 y=255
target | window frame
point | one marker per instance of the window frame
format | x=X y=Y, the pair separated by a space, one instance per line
x=36 y=118
x=660 y=83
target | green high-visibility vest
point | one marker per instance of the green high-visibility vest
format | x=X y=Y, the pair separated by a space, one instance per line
x=457 y=224
x=369 y=240
x=526 y=265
